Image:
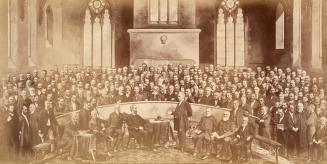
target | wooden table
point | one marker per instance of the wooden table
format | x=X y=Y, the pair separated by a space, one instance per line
x=84 y=144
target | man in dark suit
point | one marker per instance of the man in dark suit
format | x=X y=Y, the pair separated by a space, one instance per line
x=188 y=96
x=207 y=98
x=137 y=95
x=25 y=133
x=252 y=105
x=171 y=96
x=319 y=139
x=84 y=117
x=182 y=115
x=12 y=128
x=23 y=100
x=216 y=101
x=292 y=127
x=74 y=104
x=243 y=139
x=136 y=127
x=48 y=122
x=236 y=114
x=114 y=130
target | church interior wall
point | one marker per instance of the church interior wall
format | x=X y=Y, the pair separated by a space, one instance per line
x=68 y=15
x=3 y=38
x=324 y=41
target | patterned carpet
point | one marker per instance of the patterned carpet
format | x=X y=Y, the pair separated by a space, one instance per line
x=161 y=155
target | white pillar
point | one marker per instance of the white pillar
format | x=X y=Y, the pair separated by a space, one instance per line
x=221 y=42
x=57 y=34
x=97 y=43
x=32 y=32
x=113 y=56
x=239 y=39
x=106 y=41
x=316 y=59
x=296 y=55
x=87 y=59
x=230 y=42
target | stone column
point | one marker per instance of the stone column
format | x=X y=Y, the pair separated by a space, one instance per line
x=316 y=34
x=32 y=32
x=12 y=34
x=221 y=42
x=87 y=59
x=57 y=33
x=97 y=43
x=296 y=54
x=113 y=49
x=4 y=36
x=106 y=41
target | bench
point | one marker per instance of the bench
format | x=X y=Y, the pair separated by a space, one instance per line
x=269 y=142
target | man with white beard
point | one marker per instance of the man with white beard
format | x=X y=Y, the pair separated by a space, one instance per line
x=222 y=135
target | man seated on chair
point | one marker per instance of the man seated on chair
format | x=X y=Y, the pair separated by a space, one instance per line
x=203 y=133
x=319 y=139
x=136 y=128
x=223 y=135
x=242 y=141
x=66 y=140
x=97 y=127
x=114 y=130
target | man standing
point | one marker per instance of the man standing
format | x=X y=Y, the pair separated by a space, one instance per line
x=264 y=122
x=12 y=132
x=48 y=122
x=311 y=127
x=236 y=114
x=302 y=143
x=84 y=117
x=292 y=130
x=25 y=133
x=182 y=115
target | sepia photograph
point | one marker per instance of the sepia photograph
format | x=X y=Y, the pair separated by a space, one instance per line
x=163 y=81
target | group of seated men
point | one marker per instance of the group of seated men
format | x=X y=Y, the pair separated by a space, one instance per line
x=287 y=104
x=109 y=132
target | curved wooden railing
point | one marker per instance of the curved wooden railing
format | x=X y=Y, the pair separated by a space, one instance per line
x=152 y=109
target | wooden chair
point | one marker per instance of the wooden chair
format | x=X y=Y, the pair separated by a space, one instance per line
x=41 y=149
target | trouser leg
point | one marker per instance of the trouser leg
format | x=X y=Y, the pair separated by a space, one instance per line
x=182 y=139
